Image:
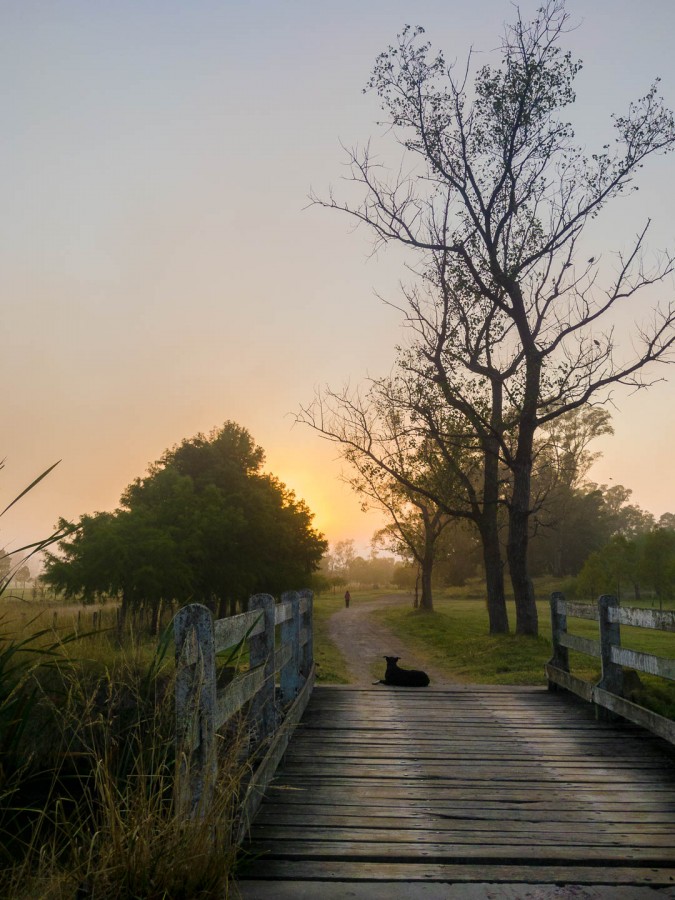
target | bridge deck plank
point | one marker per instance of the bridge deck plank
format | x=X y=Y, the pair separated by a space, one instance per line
x=466 y=785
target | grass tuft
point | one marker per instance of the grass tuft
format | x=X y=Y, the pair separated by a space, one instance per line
x=90 y=814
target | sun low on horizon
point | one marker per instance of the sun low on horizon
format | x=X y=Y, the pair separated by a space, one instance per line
x=164 y=271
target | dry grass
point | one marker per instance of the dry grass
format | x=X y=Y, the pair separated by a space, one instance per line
x=86 y=801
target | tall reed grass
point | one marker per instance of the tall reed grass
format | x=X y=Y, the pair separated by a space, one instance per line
x=86 y=792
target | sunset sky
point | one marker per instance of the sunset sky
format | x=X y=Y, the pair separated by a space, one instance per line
x=161 y=272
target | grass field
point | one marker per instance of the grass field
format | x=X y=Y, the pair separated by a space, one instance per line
x=87 y=764
x=455 y=639
x=331 y=667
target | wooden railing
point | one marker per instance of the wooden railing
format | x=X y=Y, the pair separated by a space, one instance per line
x=607 y=694
x=202 y=708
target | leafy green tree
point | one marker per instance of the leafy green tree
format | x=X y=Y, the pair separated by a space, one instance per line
x=416 y=526
x=405 y=577
x=596 y=576
x=667 y=520
x=458 y=554
x=646 y=559
x=569 y=518
x=22 y=575
x=5 y=564
x=342 y=557
x=609 y=569
x=657 y=565
x=375 y=571
x=206 y=524
x=572 y=525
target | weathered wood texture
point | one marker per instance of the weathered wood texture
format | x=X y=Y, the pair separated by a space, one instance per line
x=607 y=695
x=202 y=708
x=453 y=784
x=264 y=772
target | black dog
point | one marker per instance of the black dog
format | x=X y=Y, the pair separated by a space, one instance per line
x=402 y=677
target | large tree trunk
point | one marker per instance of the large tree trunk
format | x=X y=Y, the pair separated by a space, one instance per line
x=122 y=613
x=494 y=581
x=519 y=521
x=523 y=589
x=489 y=523
x=426 y=601
x=427 y=562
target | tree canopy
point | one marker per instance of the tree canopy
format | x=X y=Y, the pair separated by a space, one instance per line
x=205 y=524
x=644 y=561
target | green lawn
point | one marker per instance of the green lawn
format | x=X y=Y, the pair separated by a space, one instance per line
x=331 y=667
x=454 y=638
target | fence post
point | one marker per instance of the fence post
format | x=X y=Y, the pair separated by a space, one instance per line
x=610 y=636
x=290 y=633
x=195 y=709
x=261 y=650
x=561 y=657
x=307 y=656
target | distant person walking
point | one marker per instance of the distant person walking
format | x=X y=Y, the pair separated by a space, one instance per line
x=348 y=597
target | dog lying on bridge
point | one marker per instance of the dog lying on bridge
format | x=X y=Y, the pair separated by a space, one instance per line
x=402 y=677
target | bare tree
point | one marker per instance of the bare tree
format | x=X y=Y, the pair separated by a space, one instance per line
x=22 y=575
x=416 y=521
x=414 y=530
x=496 y=201
x=406 y=447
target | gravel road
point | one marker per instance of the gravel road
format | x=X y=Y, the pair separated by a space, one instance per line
x=362 y=640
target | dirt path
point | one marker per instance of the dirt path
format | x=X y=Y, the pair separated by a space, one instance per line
x=362 y=640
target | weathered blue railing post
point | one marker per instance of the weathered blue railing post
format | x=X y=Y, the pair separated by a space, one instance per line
x=607 y=694
x=261 y=649
x=196 y=763
x=202 y=708
x=610 y=636
x=308 y=624
x=290 y=681
x=560 y=658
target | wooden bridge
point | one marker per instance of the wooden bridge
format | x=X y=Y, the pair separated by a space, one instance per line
x=442 y=792
x=451 y=785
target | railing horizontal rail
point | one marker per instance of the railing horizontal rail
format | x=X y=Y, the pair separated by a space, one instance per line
x=643 y=618
x=230 y=632
x=578 y=686
x=202 y=708
x=282 y=613
x=607 y=695
x=237 y=694
x=580 y=644
x=644 y=662
x=580 y=610
x=664 y=728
